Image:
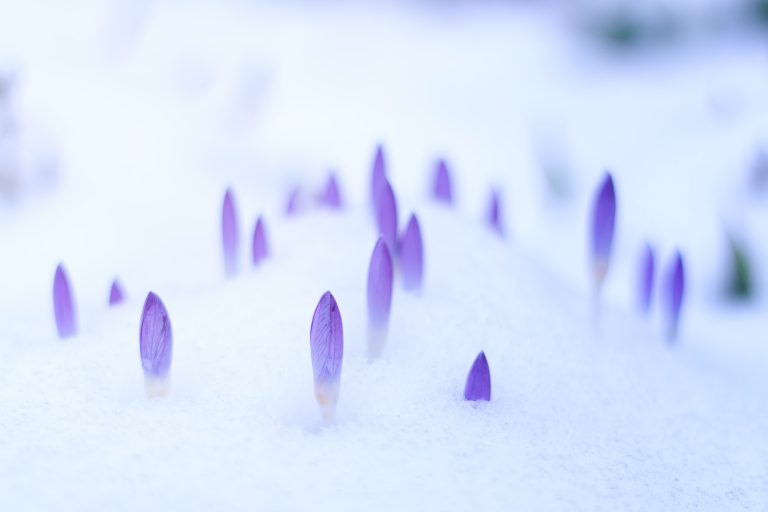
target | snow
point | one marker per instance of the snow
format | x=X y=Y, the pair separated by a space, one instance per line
x=150 y=121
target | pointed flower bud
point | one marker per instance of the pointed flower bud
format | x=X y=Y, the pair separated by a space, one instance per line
x=603 y=220
x=478 y=386
x=378 y=177
x=229 y=234
x=155 y=345
x=292 y=206
x=442 y=190
x=387 y=215
x=326 y=344
x=331 y=197
x=494 y=213
x=675 y=291
x=412 y=255
x=260 y=247
x=379 y=298
x=647 y=269
x=63 y=304
x=116 y=294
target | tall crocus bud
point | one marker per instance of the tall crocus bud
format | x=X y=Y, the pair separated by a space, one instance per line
x=442 y=190
x=260 y=248
x=331 y=197
x=379 y=298
x=412 y=255
x=675 y=290
x=63 y=304
x=229 y=234
x=645 y=286
x=603 y=220
x=116 y=294
x=494 y=213
x=378 y=177
x=478 y=386
x=155 y=346
x=326 y=344
x=386 y=217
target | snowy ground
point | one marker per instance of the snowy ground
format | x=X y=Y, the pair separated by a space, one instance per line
x=148 y=125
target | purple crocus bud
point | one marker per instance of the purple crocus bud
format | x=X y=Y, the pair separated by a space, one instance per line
x=378 y=177
x=326 y=344
x=478 y=386
x=260 y=247
x=155 y=346
x=229 y=234
x=63 y=304
x=116 y=294
x=331 y=197
x=387 y=215
x=675 y=290
x=494 y=213
x=647 y=265
x=442 y=189
x=412 y=255
x=379 y=298
x=603 y=220
x=292 y=206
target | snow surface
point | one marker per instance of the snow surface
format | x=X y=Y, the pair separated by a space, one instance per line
x=151 y=120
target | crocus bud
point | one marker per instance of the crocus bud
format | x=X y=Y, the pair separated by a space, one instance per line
x=155 y=346
x=260 y=248
x=326 y=344
x=116 y=294
x=331 y=197
x=292 y=206
x=63 y=304
x=378 y=177
x=478 y=386
x=379 y=298
x=442 y=190
x=229 y=234
x=603 y=220
x=412 y=255
x=675 y=291
x=645 y=286
x=387 y=215
x=494 y=213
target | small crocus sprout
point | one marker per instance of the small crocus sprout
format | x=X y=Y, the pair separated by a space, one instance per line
x=63 y=304
x=260 y=248
x=378 y=177
x=292 y=206
x=326 y=344
x=379 y=298
x=386 y=217
x=155 y=346
x=478 y=386
x=331 y=196
x=645 y=287
x=412 y=255
x=229 y=234
x=740 y=280
x=603 y=221
x=494 y=213
x=116 y=294
x=442 y=190
x=675 y=291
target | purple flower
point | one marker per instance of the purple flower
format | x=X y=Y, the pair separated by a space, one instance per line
x=229 y=234
x=331 y=197
x=603 y=220
x=647 y=265
x=675 y=291
x=292 y=206
x=116 y=294
x=412 y=255
x=260 y=247
x=442 y=190
x=326 y=344
x=494 y=213
x=155 y=345
x=387 y=215
x=379 y=298
x=478 y=386
x=378 y=177
x=63 y=304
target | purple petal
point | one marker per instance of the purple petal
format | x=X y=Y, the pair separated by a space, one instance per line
x=478 y=386
x=647 y=265
x=229 y=234
x=387 y=215
x=494 y=213
x=378 y=177
x=63 y=304
x=379 y=297
x=155 y=338
x=603 y=220
x=260 y=247
x=116 y=294
x=412 y=255
x=675 y=292
x=292 y=206
x=331 y=196
x=326 y=344
x=442 y=190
